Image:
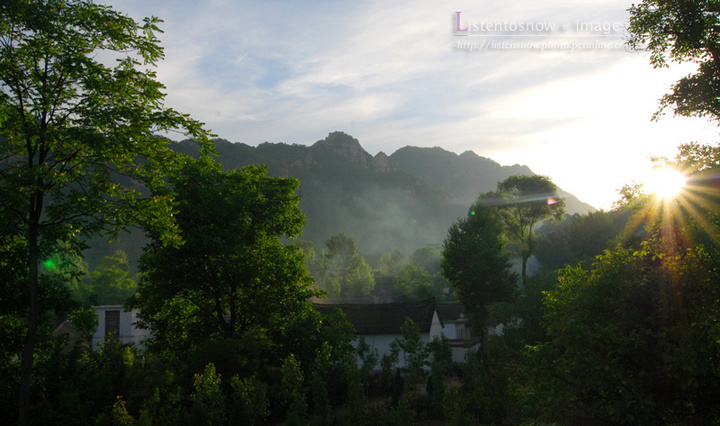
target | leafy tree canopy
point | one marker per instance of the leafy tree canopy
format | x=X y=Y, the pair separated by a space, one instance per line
x=634 y=338
x=109 y=284
x=682 y=31
x=232 y=275
x=77 y=133
x=523 y=201
x=343 y=270
x=476 y=263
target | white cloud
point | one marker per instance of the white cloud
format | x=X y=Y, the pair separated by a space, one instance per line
x=387 y=73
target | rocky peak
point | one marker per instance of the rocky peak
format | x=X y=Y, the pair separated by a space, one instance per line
x=381 y=163
x=346 y=147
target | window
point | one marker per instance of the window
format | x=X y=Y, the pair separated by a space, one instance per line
x=112 y=323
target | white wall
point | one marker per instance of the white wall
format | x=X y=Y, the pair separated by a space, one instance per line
x=436 y=326
x=450 y=330
x=128 y=332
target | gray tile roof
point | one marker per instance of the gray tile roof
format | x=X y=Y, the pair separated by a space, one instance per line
x=451 y=311
x=383 y=318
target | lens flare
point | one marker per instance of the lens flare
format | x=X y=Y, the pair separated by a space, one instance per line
x=664 y=182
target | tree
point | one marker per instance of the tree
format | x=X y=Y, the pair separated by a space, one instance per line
x=293 y=391
x=580 y=238
x=232 y=276
x=391 y=262
x=682 y=31
x=73 y=128
x=208 y=399
x=477 y=265
x=110 y=284
x=428 y=258
x=413 y=283
x=413 y=349
x=344 y=271
x=633 y=339
x=522 y=201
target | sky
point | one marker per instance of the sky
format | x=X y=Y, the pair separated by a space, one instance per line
x=546 y=84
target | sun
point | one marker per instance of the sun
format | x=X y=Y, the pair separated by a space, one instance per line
x=664 y=182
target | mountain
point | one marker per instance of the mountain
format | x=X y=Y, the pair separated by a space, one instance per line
x=405 y=200
x=467 y=175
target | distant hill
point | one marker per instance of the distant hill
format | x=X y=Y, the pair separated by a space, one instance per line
x=406 y=200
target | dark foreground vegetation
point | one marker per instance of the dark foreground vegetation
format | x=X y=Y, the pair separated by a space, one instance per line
x=619 y=325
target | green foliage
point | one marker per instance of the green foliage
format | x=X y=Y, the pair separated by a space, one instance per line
x=109 y=284
x=402 y=415
x=346 y=271
x=293 y=391
x=475 y=262
x=84 y=319
x=369 y=358
x=413 y=349
x=428 y=258
x=522 y=201
x=440 y=359
x=523 y=317
x=343 y=271
x=682 y=31
x=414 y=283
x=485 y=390
x=245 y=356
x=162 y=407
x=355 y=410
x=634 y=340
x=319 y=379
x=208 y=399
x=412 y=279
x=250 y=401
x=79 y=134
x=580 y=238
x=387 y=366
x=455 y=405
x=232 y=275
x=120 y=415
x=391 y=262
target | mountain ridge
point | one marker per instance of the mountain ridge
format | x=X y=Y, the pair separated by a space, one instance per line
x=404 y=200
x=336 y=174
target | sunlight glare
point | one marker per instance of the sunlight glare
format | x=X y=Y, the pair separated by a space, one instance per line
x=664 y=182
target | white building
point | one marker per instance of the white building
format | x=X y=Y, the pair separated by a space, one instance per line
x=113 y=320
x=380 y=323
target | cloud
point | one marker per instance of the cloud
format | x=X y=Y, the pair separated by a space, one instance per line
x=387 y=73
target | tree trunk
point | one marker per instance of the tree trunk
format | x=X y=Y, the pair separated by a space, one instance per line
x=483 y=350
x=32 y=324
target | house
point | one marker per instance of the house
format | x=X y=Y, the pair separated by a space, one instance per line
x=457 y=329
x=380 y=323
x=112 y=319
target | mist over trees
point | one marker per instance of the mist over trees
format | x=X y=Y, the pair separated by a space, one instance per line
x=342 y=271
x=405 y=200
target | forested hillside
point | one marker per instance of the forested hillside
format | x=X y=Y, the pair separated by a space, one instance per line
x=403 y=201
